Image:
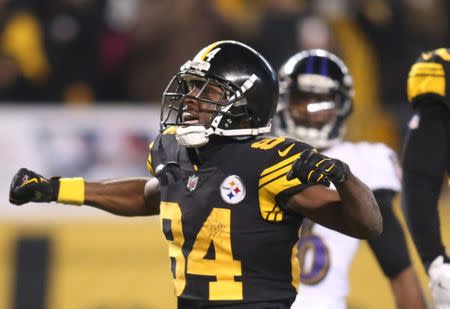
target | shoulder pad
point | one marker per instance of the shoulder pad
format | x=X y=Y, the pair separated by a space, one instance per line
x=170 y=130
x=163 y=149
x=427 y=76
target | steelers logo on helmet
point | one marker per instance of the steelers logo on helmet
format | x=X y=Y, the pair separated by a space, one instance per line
x=227 y=89
x=316 y=93
x=232 y=190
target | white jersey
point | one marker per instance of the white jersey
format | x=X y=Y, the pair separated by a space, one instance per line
x=327 y=254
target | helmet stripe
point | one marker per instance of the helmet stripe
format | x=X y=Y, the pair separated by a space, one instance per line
x=324 y=66
x=205 y=51
x=309 y=65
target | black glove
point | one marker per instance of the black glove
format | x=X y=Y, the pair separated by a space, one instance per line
x=28 y=186
x=314 y=167
x=163 y=171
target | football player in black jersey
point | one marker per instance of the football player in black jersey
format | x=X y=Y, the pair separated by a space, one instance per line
x=316 y=91
x=426 y=162
x=230 y=201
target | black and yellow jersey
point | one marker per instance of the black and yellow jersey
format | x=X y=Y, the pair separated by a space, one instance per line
x=230 y=236
x=428 y=77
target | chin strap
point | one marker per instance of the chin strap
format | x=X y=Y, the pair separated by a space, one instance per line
x=192 y=136
x=197 y=136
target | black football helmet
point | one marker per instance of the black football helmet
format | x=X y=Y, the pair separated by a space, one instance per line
x=248 y=98
x=315 y=73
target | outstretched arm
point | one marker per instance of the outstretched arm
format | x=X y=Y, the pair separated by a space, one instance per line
x=351 y=210
x=125 y=197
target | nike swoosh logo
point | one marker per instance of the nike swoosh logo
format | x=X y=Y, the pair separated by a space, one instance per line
x=286 y=151
x=32 y=180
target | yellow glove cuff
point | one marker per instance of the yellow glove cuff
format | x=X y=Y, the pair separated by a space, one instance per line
x=71 y=191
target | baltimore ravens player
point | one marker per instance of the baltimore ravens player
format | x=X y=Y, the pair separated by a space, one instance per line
x=316 y=99
x=426 y=161
x=230 y=202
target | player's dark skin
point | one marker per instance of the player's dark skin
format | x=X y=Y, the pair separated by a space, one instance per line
x=351 y=209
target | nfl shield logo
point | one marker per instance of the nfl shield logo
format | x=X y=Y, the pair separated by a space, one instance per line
x=192 y=182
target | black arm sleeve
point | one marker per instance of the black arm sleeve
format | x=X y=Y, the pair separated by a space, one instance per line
x=390 y=247
x=425 y=160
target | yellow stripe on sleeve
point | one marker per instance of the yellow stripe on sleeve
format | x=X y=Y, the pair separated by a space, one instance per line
x=275 y=167
x=273 y=181
x=267 y=205
x=277 y=173
x=270 y=186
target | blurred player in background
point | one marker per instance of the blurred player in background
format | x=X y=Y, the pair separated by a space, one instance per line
x=426 y=161
x=316 y=92
x=230 y=203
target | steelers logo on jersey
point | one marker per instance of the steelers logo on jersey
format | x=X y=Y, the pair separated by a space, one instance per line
x=232 y=189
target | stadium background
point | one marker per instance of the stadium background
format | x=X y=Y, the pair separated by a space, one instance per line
x=80 y=83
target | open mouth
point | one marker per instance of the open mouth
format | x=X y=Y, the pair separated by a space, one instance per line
x=189 y=118
x=320 y=106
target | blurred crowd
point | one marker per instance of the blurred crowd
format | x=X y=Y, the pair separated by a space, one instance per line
x=84 y=51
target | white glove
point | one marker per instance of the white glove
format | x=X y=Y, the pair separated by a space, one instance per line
x=439 y=273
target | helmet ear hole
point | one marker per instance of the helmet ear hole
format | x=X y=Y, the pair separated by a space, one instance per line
x=237 y=118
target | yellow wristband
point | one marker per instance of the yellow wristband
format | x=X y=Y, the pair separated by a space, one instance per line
x=71 y=191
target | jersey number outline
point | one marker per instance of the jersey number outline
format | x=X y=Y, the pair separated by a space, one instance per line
x=319 y=263
x=215 y=231
x=268 y=143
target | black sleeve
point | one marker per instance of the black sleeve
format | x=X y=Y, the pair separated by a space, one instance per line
x=425 y=160
x=390 y=247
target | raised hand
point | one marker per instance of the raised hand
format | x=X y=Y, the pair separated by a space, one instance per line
x=314 y=167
